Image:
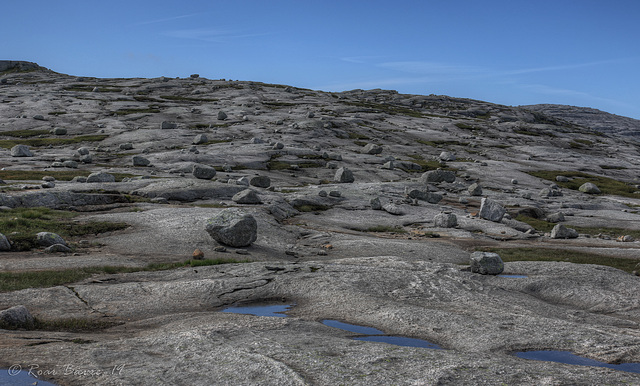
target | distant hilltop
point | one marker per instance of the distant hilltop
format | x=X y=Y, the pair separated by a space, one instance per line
x=592 y=118
x=18 y=66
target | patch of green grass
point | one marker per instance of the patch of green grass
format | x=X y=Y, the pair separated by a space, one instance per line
x=66 y=325
x=427 y=165
x=584 y=141
x=578 y=257
x=24 y=133
x=178 y=98
x=21 y=225
x=56 y=113
x=61 y=175
x=37 y=142
x=605 y=184
x=89 y=88
x=147 y=110
x=545 y=226
x=354 y=135
x=386 y=228
x=527 y=132
x=611 y=167
x=389 y=109
x=277 y=165
x=13 y=281
x=360 y=143
x=439 y=143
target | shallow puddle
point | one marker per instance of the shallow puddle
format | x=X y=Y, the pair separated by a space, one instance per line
x=572 y=359
x=276 y=310
x=16 y=377
x=376 y=335
x=514 y=276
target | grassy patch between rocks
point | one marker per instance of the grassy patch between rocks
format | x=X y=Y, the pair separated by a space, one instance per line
x=20 y=225
x=386 y=228
x=545 y=226
x=37 y=142
x=605 y=184
x=66 y=325
x=13 y=281
x=24 y=133
x=60 y=175
x=577 y=257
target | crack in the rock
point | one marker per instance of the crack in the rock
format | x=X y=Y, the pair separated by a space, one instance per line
x=73 y=290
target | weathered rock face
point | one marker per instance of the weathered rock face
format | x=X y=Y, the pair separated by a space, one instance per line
x=486 y=263
x=139 y=160
x=491 y=210
x=260 y=182
x=246 y=196
x=233 y=227
x=475 y=189
x=372 y=148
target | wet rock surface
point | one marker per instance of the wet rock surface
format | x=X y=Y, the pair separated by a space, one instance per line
x=366 y=207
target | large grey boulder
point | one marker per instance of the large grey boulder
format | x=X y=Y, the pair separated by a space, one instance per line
x=423 y=195
x=562 y=232
x=200 y=139
x=166 y=125
x=343 y=175
x=101 y=177
x=556 y=217
x=260 y=181
x=4 y=243
x=203 y=172
x=439 y=175
x=222 y=115
x=47 y=239
x=372 y=148
x=246 y=196
x=139 y=160
x=475 y=190
x=447 y=156
x=589 y=188
x=16 y=317
x=445 y=220
x=486 y=263
x=491 y=210
x=21 y=151
x=233 y=227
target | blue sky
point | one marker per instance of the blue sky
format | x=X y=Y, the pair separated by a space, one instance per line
x=581 y=53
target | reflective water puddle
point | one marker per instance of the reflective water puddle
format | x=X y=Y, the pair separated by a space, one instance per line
x=572 y=359
x=276 y=310
x=376 y=335
x=16 y=377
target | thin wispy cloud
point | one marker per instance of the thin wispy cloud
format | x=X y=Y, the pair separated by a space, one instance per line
x=164 y=20
x=210 y=34
x=574 y=94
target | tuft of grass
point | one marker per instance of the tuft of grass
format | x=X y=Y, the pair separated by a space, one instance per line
x=611 y=167
x=545 y=226
x=387 y=229
x=61 y=175
x=37 y=142
x=427 y=165
x=605 y=184
x=578 y=257
x=465 y=126
x=66 y=325
x=21 y=225
x=13 y=281
x=438 y=143
x=147 y=110
x=24 y=133
x=354 y=135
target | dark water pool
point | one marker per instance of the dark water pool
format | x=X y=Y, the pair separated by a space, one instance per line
x=376 y=335
x=572 y=359
x=276 y=310
x=16 y=377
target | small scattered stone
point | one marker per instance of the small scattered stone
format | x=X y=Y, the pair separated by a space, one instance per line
x=125 y=146
x=626 y=239
x=233 y=227
x=242 y=251
x=198 y=254
x=322 y=193
x=16 y=317
x=47 y=239
x=447 y=156
x=4 y=243
x=514 y=181
x=100 y=177
x=260 y=181
x=491 y=210
x=59 y=131
x=475 y=190
x=166 y=125
x=200 y=139
x=562 y=179
x=278 y=146
x=222 y=115
x=57 y=248
x=335 y=193
x=438 y=175
x=393 y=209
x=220 y=248
x=372 y=148
x=375 y=203
x=48 y=185
x=203 y=172
x=556 y=217
x=246 y=196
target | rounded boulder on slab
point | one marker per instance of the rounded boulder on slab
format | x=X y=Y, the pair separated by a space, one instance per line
x=47 y=239
x=589 y=188
x=101 y=177
x=21 y=151
x=438 y=175
x=562 y=232
x=486 y=263
x=233 y=227
x=491 y=210
x=4 y=243
x=16 y=317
